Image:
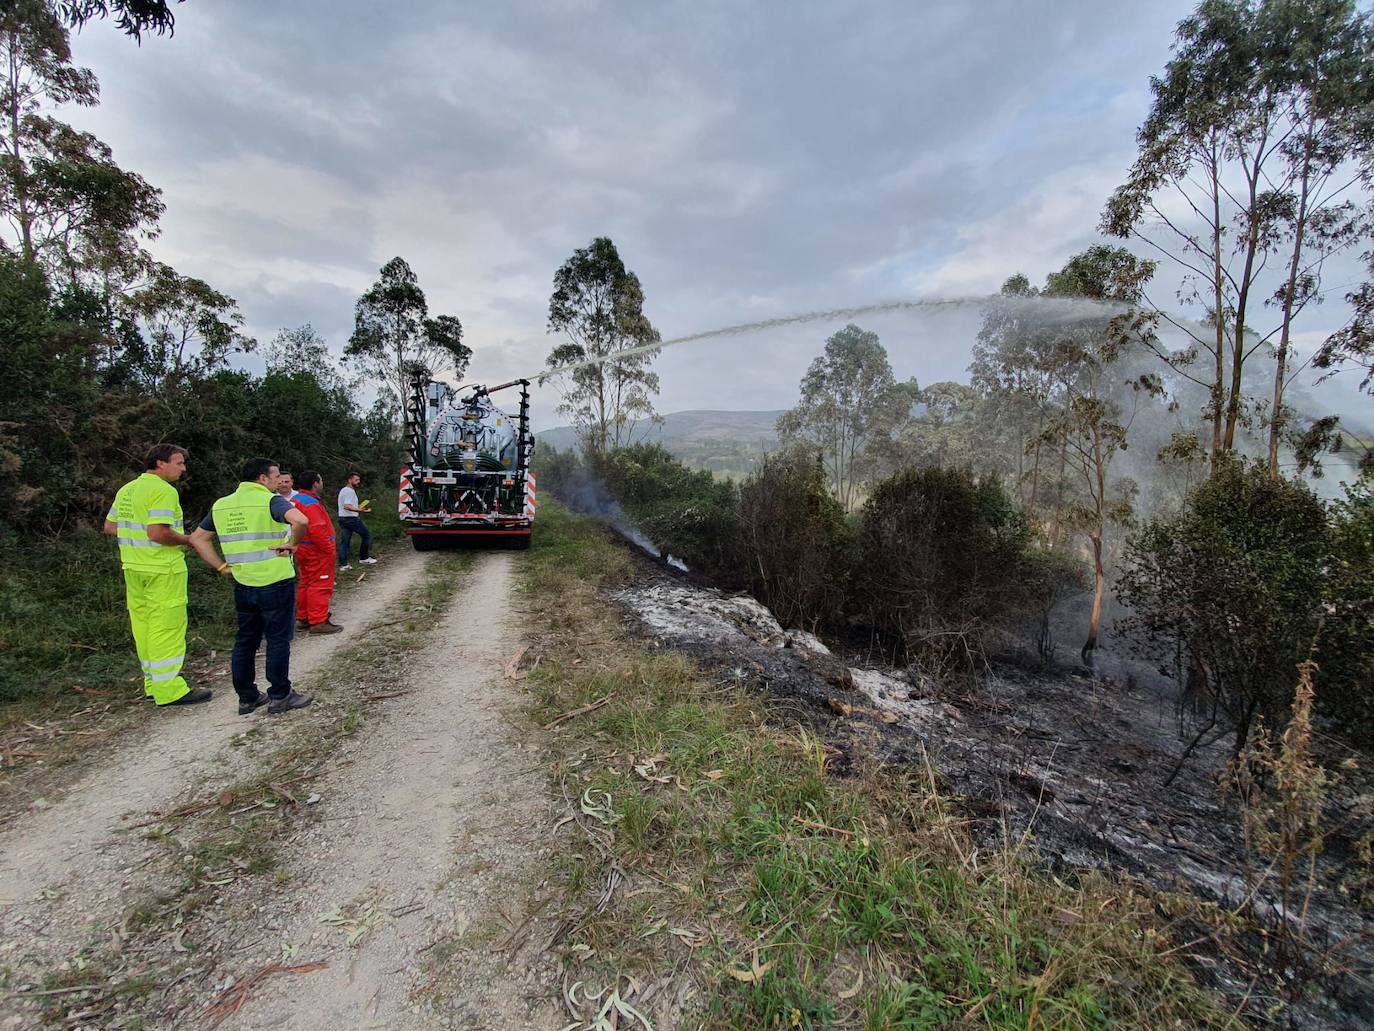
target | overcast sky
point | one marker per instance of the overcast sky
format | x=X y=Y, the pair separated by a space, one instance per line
x=748 y=160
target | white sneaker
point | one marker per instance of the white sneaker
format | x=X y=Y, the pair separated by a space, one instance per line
x=368 y=561
x=344 y=569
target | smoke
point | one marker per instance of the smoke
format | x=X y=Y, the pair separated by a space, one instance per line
x=585 y=493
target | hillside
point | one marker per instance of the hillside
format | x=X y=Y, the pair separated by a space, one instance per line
x=725 y=442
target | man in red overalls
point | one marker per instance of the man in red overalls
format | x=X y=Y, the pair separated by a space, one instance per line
x=315 y=559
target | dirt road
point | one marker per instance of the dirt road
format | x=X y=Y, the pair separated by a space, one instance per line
x=426 y=834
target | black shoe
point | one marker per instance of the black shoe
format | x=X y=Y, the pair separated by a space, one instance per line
x=302 y=624
x=295 y=700
x=245 y=708
x=194 y=696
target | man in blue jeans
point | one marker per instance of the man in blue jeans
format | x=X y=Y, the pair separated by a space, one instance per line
x=350 y=522
x=258 y=531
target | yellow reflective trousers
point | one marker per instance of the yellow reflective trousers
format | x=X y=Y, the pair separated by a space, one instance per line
x=157 y=613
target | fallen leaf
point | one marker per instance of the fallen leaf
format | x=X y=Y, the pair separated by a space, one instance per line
x=840 y=708
x=714 y=774
x=755 y=972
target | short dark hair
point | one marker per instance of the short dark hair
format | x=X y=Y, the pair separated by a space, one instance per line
x=161 y=453
x=309 y=477
x=254 y=468
x=353 y=474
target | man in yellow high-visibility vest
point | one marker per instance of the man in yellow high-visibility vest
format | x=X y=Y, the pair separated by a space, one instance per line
x=258 y=531
x=146 y=521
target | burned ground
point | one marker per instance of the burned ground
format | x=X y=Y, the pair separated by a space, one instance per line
x=1072 y=767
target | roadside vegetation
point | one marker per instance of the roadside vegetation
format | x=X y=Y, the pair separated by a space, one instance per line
x=712 y=853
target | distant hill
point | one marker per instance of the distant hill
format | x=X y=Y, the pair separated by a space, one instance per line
x=724 y=442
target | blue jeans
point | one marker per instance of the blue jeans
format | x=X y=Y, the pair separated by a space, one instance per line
x=264 y=612
x=348 y=526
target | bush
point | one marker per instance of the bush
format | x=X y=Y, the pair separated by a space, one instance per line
x=1048 y=578
x=794 y=545
x=684 y=511
x=1234 y=582
x=941 y=556
x=1345 y=653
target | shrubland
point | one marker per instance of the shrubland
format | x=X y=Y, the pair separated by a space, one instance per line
x=713 y=853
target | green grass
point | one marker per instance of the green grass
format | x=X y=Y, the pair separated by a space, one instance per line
x=63 y=624
x=863 y=901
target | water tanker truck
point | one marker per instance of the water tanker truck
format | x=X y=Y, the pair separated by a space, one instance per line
x=467 y=480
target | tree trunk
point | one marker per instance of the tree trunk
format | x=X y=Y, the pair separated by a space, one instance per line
x=1099 y=593
x=1243 y=298
x=1218 y=301
x=21 y=191
x=1281 y=368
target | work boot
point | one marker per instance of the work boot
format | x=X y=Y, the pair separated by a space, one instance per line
x=248 y=707
x=295 y=700
x=327 y=627
x=302 y=624
x=194 y=696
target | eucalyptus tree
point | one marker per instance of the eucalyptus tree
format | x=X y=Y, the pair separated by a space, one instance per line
x=849 y=399
x=189 y=329
x=394 y=335
x=132 y=17
x=66 y=203
x=1095 y=400
x=1242 y=162
x=603 y=366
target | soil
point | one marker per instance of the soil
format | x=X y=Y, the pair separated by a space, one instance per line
x=1072 y=766
x=418 y=856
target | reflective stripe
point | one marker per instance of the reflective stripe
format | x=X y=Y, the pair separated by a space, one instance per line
x=230 y=538
x=158 y=678
x=112 y=515
x=162 y=663
x=250 y=556
x=129 y=524
x=161 y=512
x=133 y=542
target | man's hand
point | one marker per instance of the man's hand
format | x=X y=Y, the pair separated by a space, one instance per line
x=286 y=550
x=161 y=533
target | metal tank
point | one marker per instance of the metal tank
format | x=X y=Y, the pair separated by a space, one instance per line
x=468 y=479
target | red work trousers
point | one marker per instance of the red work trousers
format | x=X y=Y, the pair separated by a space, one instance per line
x=315 y=581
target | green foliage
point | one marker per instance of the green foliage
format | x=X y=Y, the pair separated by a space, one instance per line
x=394 y=335
x=132 y=17
x=1235 y=581
x=603 y=368
x=1261 y=108
x=1345 y=652
x=68 y=204
x=849 y=398
x=794 y=544
x=1048 y=577
x=686 y=512
x=189 y=329
x=940 y=555
x=63 y=623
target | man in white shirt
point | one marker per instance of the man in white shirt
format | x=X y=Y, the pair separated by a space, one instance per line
x=350 y=522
